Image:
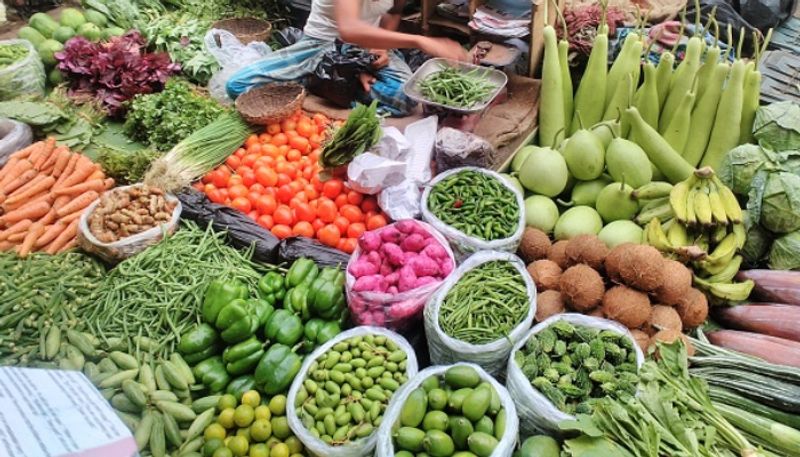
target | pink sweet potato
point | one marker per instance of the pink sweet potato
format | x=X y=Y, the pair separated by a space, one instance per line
x=425 y=280
x=393 y=254
x=373 y=283
x=407 y=279
x=434 y=250
x=446 y=267
x=374 y=258
x=391 y=235
x=392 y=278
x=369 y=241
x=406 y=226
x=362 y=267
x=413 y=243
x=424 y=266
x=386 y=268
x=392 y=290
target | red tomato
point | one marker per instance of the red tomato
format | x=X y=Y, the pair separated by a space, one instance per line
x=265 y=220
x=264 y=138
x=285 y=193
x=356 y=229
x=317 y=224
x=199 y=186
x=348 y=245
x=341 y=223
x=234 y=180
x=320 y=119
x=332 y=188
x=248 y=178
x=242 y=204
x=215 y=196
x=303 y=228
x=305 y=212
x=293 y=155
x=249 y=159
x=327 y=211
x=305 y=129
x=252 y=139
x=376 y=222
x=283 y=215
x=329 y=235
x=300 y=143
x=283 y=179
x=253 y=197
x=240 y=152
x=280 y=139
x=266 y=176
x=352 y=213
x=253 y=215
x=288 y=125
x=281 y=231
x=354 y=198
x=266 y=204
x=254 y=149
x=272 y=129
x=341 y=200
x=369 y=204
x=238 y=191
x=311 y=192
x=257 y=188
x=209 y=187
x=233 y=162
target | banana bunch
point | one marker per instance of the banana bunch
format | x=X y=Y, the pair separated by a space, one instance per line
x=704 y=200
x=653 y=199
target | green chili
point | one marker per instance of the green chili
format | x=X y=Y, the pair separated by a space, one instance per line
x=453 y=87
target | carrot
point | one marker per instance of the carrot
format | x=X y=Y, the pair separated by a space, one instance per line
x=61 y=201
x=6 y=245
x=49 y=146
x=32 y=211
x=83 y=169
x=98 y=185
x=71 y=216
x=69 y=168
x=98 y=174
x=17 y=237
x=20 y=226
x=63 y=238
x=50 y=233
x=9 y=174
x=109 y=182
x=33 y=234
x=18 y=183
x=71 y=244
x=25 y=152
x=37 y=153
x=61 y=162
x=48 y=218
x=44 y=196
x=41 y=185
x=81 y=201
x=53 y=157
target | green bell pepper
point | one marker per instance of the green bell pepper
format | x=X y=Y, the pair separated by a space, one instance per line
x=284 y=327
x=277 y=369
x=311 y=328
x=326 y=297
x=296 y=301
x=271 y=288
x=240 y=385
x=218 y=294
x=242 y=357
x=211 y=372
x=237 y=321
x=319 y=332
x=199 y=343
x=302 y=271
x=262 y=309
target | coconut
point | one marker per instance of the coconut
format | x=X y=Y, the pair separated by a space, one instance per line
x=588 y=249
x=692 y=308
x=663 y=317
x=614 y=260
x=670 y=336
x=642 y=267
x=545 y=274
x=629 y=307
x=676 y=284
x=597 y=312
x=534 y=244
x=549 y=303
x=641 y=338
x=582 y=287
x=557 y=253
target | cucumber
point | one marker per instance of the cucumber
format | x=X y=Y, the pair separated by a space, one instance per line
x=32 y=35
x=63 y=33
x=96 y=17
x=44 y=24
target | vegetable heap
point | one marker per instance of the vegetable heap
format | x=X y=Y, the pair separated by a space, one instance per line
x=163 y=119
x=360 y=132
x=477 y=204
x=455 y=88
x=346 y=390
x=126 y=212
x=11 y=53
x=572 y=365
x=486 y=304
x=182 y=37
x=454 y=414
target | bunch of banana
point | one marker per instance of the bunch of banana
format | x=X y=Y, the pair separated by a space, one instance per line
x=653 y=199
x=703 y=200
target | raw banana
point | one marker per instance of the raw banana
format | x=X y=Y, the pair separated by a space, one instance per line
x=656 y=237
x=717 y=208
x=736 y=291
x=663 y=211
x=741 y=235
x=728 y=273
x=652 y=190
x=678 y=198
x=691 y=217
x=729 y=202
x=677 y=235
x=702 y=205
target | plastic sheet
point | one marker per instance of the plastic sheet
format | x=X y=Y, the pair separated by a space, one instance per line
x=291 y=249
x=231 y=55
x=361 y=447
x=13 y=137
x=336 y=77
x=454 y=148
x=505 y=447
x=492 y=356
x=242 y=231
x=536 y=413
x=24 y=77
x=129 y=246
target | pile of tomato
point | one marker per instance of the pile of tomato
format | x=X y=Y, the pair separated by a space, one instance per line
x=274 y=179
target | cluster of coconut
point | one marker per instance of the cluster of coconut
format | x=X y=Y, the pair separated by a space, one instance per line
x=632 y=284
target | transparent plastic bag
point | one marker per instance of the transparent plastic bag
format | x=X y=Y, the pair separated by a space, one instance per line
x=386 y=309
x=24 y=77
x=505 y=447
x=462 y=243
x=13 y=137
x=360 y=447
x=126 y=247
x=231 y=55
x=493 y=356
x=536 y=414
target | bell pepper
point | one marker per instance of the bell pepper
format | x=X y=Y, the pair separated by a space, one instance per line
x=319 y=332
x=271 y=288
x=242 y=357
x=199 y=343
x=284 y=327
x=211 y=372
x=240 y=385
x=262 y=309
x=296 y=301
x=326 y=297
x=311 y=328
x=218 y=294
x=302 y=271
x=237 y=321
x=277 y=369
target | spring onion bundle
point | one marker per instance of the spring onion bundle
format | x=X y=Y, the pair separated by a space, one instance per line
x=199 y=153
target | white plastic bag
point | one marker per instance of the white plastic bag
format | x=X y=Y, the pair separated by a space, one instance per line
x=400 y=201
x=462 y=243
x=24 y=77
x=536 y=413
x=231 y=55
x=505 y=447
x=391 y=310
x=13 y=137
x=360 y=447
x=492 y=356
x=126 y=247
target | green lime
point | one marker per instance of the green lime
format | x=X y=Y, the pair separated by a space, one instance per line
x=279 y=450
x=238 y=446
x=214 y=431
x=280 y=427
x=245 y=432
x=259 y=450
x=244 y=415
x=295 y=446
x=261 y=430
x=223 y=452
x=277 y=405
x=263 y=412
x=252 y=398
x=226 y=401
x=225 y=418
x=212 y=445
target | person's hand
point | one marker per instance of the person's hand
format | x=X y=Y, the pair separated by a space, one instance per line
x=382 y=60
x=366 y=81
x=443 y=47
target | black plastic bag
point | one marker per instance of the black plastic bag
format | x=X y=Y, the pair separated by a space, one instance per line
x=242 y=231
x=336 y=77
x=753 y=15
x=414 y=58
x=764 y=14
x=294 y=248
x=288 y=36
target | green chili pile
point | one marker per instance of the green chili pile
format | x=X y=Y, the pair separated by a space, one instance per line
x=38 y=292
x=485 y=304
x=476 y=204
x=157 y=294
x=452 y=87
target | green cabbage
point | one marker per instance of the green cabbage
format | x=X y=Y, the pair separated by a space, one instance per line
x=777 y=126
x=757 y=245
x=740 y=165
x=780 y=204
x=785 y=252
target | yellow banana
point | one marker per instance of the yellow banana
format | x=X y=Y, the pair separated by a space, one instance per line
x=678 y=197
x=717 y=208
x=741 y=235
x=729 y=202
x=702 y=205
x=656 y=237
x=691 y=217
x=734 y=291
x=677 y=235
x=728 y=273
x=721 y=255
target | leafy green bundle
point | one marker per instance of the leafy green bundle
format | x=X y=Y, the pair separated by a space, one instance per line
x=360 y=132
x=181 y=35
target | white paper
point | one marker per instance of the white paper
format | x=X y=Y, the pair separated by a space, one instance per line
x=368 y=173
x=400 y=201
x=54 y=413
x=422 y=135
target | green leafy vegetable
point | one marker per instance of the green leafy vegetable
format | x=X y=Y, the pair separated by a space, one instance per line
x=361 y=131
x=181 y=35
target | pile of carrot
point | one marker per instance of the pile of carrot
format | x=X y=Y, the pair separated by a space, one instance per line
x=43 y=192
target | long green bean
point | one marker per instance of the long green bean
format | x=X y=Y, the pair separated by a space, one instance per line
x=486 y=304
x=453 y=87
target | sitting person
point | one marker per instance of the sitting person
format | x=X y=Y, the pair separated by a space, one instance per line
x=369 y=24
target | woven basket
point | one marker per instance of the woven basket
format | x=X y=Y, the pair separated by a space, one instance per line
x=270 y=103
x=245 y=29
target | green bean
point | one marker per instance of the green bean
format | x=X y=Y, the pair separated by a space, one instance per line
x=452 y=87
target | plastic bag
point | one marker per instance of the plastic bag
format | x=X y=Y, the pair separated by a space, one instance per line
x=360 y=447
x=118 y=251
x=13 y=137
x=536 y=413
x=462 y=243
x=491 y=356
x=504 y=448
x=242 y=232
x=231 y=55
x=24 y=77
x=293 y=248
x=400 y=201
x=454 y=148
x=336 y=77
x=386 y=309
x=288 y=36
